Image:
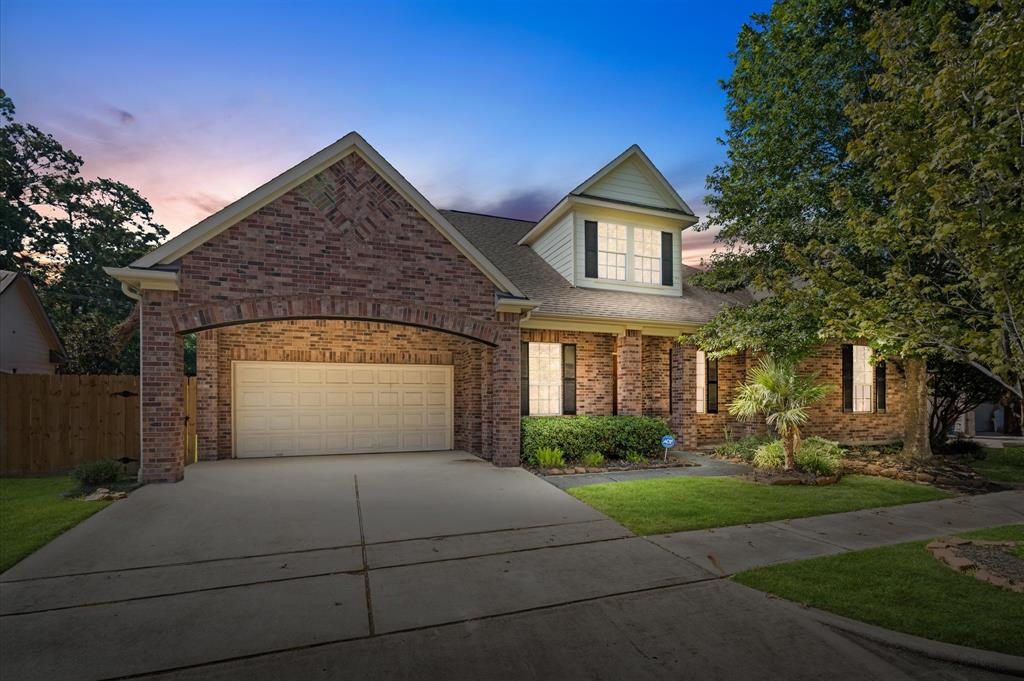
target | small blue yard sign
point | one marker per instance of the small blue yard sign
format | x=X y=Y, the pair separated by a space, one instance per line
x=668 y=442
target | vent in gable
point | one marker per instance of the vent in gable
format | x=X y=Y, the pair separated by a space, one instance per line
x=321 y=194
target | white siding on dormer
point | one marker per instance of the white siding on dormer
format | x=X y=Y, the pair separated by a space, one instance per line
x=631 y=183
x=556 y=246
x=633 y=220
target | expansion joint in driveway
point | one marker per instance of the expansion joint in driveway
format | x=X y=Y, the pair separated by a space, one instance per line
x=366 y=564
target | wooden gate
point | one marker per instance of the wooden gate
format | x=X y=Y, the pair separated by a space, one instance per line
x=51 y=423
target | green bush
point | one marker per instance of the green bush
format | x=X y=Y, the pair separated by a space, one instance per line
x=770 y=455
x=816 y=455
x=549 y=457
x=635 y=457
x=744 y=447
x=592 y=459
x=610 y=436
x=960 y=446
x=97 y=472
x=819 y=456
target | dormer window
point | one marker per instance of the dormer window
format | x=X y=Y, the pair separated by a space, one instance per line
x=611 y=251
x=628 y=253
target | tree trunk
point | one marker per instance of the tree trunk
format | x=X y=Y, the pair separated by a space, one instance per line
x=915 y=411
x=788 y=450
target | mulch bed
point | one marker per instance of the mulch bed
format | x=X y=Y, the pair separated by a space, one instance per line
x=780 y=476
x=941 y=471
x=616 y=465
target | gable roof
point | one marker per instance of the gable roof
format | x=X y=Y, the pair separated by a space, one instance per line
x=591 y=192
x=7 y=282
x=173 y=249
x=636 y=155
x=500 y=239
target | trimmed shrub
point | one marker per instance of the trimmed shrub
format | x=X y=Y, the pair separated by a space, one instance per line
x=816 y=455
x=819 y=456
x=610 y=436
x=592 y=459
x=97 y=472
x=744 y=447
x=962 y=447
x=549 y=457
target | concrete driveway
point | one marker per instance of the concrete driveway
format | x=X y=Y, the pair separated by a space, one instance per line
x=432 y=565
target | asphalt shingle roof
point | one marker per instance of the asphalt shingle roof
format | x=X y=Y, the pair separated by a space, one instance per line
x=496 y=238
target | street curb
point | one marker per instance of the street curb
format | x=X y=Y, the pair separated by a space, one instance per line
x=948 y=652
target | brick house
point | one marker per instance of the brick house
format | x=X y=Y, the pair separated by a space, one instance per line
x=337 y=311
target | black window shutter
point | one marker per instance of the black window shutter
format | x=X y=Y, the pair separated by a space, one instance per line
x=568 y=379
x=880 y=387
x=847 y=378
x=712 y=387
x=590 y=248
x=666 y=258
x=524 y=379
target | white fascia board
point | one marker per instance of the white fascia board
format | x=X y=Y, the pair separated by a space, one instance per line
x=140 y=278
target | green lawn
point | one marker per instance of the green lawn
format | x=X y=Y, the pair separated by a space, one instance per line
x=1002 y=465
x=32 y=512
x=904 y=588
x=684 y=503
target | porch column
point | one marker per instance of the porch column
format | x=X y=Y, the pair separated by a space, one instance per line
x=162 y=369
x=206 y=393
x=505 y=406
x=629 y=373
x=684 y=395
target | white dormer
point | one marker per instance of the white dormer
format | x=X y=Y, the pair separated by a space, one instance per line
x=621 y=229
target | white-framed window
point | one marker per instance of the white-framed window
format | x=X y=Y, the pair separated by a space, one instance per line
x=702 y=383
x=646 y=255
x=863 y=379
x=545 y=379
x=611 y=251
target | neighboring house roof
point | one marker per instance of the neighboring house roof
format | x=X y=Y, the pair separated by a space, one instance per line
x=497 y=238
x=166 y=254
x=7 y=283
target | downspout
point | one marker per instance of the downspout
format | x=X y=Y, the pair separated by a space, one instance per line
x=136 y=295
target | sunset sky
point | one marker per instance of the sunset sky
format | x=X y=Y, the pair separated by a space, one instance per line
x=494 y=107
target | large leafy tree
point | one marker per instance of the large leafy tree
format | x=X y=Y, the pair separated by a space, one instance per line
x=62 y=229
x=855 y=189
x=795 y=68
x=941 y=139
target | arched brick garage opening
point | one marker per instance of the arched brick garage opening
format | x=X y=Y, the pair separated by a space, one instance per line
x=322 y=329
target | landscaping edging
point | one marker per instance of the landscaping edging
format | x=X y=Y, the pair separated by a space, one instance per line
x=618 y=467
x=948 y=551
x=1001 y=663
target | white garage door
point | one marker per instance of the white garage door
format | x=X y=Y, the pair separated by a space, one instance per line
x=301 y=408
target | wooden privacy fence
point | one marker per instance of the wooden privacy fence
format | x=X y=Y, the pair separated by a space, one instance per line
x=53 y=423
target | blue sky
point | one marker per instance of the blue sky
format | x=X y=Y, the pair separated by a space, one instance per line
x=496 y=107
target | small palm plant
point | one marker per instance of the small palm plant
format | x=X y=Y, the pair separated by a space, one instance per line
x=775 y=390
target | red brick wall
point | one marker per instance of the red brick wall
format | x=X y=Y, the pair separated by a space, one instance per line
x=713 y=427
x=629 y=373
x=343 y=341
x=346 y=233
x=595 y=366
x=373 y=244
x=655 y=375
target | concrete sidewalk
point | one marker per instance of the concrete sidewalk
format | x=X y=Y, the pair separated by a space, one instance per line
x=728 y=550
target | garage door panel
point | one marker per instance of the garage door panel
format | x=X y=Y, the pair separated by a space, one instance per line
x=295 y=408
